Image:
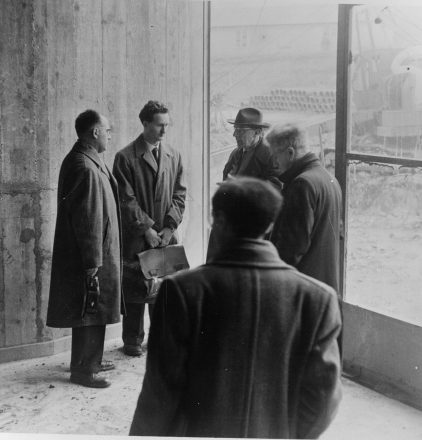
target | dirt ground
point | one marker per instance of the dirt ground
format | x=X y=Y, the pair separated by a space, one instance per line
x=37 y=396
x=37 y=402
x=384 y=268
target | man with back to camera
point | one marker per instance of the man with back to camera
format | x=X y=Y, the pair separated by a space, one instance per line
x=308 y=230
x=244 y=346
x=86 y=249
x=152 y=199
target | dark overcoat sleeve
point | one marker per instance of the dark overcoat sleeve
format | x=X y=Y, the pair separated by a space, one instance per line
x=132 y=214
x=270 y=170
x=174 y=215
x=85 y=208
x=320 y=392
x=229 y=164
x=166 y=370
x=292 y=232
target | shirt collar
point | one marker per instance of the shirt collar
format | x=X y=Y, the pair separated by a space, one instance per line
x=151 y=146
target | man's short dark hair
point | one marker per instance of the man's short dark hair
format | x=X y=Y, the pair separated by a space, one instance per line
x=150 y=109
x=85 y=121
x=249 y=204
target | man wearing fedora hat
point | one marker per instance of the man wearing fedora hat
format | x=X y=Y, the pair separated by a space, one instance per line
x=252 y=157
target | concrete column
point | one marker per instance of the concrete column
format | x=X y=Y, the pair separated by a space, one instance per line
x=26 y=193
x=58 y=58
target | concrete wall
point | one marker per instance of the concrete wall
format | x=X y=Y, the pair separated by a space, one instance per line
x=58 y=58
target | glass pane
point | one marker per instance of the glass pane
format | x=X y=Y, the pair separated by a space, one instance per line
x=386 y=81
x=279 y=58
x=384 y=245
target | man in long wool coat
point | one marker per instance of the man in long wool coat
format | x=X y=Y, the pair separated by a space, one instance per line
x=86 y=245
x=244 y=346
x=152 y=198
x=307 y=232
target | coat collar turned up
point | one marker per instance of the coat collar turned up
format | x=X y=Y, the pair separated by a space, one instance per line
x=92 y=153
x=309 y=160
x=249 y=252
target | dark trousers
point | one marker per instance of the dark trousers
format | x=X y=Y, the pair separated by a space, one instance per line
x=133 y=323
x=87 y=349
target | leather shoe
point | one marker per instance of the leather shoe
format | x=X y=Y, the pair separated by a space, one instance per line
x=89 y=380
x=132 y=350
x=107 y=366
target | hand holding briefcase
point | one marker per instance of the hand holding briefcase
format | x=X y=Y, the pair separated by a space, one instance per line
x=159 y=262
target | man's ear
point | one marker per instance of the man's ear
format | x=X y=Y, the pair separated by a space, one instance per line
x=95 y=132
x=292 y=153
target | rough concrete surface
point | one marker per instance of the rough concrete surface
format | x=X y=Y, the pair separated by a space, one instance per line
x=57 y=59
x=36 y=397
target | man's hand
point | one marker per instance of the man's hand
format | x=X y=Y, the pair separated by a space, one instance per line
x=165 y=234
x=152 y=238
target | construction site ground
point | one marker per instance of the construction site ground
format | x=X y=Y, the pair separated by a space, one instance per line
x=37 y=401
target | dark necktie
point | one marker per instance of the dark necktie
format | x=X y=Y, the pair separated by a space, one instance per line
x=241 y=156
x=155 y=154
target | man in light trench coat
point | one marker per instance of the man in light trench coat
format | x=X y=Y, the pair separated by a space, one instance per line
x=152 y=199
x=86 y=245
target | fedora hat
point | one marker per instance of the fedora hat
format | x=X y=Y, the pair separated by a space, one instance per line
x=248 y=118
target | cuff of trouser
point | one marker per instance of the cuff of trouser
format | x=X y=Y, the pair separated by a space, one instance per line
x=132 y=341
x=85 y=368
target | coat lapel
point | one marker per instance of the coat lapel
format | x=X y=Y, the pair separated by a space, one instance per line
x=143 y=153
x=236 y=162
x=149 y=159
x=247 y=156
x=164 y=166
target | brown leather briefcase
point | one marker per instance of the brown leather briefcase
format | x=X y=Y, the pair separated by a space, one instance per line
x=159 y=262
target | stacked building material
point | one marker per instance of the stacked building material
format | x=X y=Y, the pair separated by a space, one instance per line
x=296 y=100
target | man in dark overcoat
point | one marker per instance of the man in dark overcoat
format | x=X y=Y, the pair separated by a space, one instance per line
x=152 y=198
x=244 y=346
x=252 y=157
x=86 y=245
x=308 y=231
